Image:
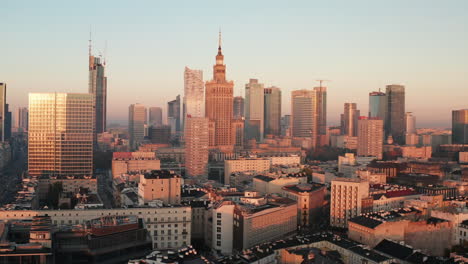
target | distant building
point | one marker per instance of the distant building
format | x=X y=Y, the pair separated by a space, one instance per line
x=126 y=162
x=196 y=146
x=174 y=115
x=68 y=119
x=321 y=109
x=155 y=116
x=460 y=126
x=3 y=111
x=310 y=201
x=304 y=121
x=259 y=165
x=370 y=137
x=286 y=125
x=97 y=86
x=136 y=124
x=238 y=107
x=410 y=121
x=395 y=121
x=378 y=105
x=254 y=111
x=160 y=134
x=22 y=117
x=238 y=132
x=272 y=111
x=349 y=121
x=160 y=185
x=194 y=93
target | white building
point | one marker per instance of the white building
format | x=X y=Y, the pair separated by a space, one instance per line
x=346 y=200
x=260 y=165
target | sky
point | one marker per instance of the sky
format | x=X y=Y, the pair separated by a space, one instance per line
x=360 y=46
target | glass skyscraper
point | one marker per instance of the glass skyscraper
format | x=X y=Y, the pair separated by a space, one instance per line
x=98 y=88
x=395 y=121
x=377 y=105
x=272 y=111
x=60 y=134
x=460 y=126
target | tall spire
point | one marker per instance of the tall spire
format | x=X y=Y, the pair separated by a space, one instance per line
x=219 y=42
x=90 y=39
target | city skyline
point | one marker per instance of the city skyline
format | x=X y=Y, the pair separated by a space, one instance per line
x=309 y=49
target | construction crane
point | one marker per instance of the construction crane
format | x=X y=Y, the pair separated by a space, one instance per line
x=321 y=81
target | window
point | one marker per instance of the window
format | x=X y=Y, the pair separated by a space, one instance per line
x=218 y=229
x=218 y=222
x=218 y=243
x=218 y=215
x=218 y=236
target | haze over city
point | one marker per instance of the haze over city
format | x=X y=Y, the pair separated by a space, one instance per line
x=360 y=46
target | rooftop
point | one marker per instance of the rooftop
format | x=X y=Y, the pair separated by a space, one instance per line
x=372 y=220
x=304 y=187
x=161 y=174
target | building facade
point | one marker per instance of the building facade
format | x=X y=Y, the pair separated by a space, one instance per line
x=304 y=121
x=136 y=124
x=377 y=105
x=346 y=200
x=60 y=134
x=272 y=111
x=155 y=116
x=370 y=137
x=254 y=110
x=219 y=101
x=460 y=126
x=238 y=107
x=98 y=88
x=194 y=92
x=160 y=185
x=196 y=146
x=395 y=121
x=350 y=119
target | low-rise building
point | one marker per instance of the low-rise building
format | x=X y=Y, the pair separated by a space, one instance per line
x=125 y=162
x=160 y=185
x=258 y=165
x=310 y=199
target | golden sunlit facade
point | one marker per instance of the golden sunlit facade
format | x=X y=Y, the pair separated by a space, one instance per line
x=60 y=134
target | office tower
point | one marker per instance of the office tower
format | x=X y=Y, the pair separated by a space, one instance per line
x=395 y=121
x=349 y=120
x=8 y=122
x=22 y=119
x=304 y=121
x=155 y=116
x=238 y=132
x=238 y=107
x=60 y=138
x=370 y=137
x=3 y=112
x=97 y=86
x=173 y=115
x=136 y=124
x=194 y=93
x=286 y=125
x=160 y=134
x=254 y=110
x=219 y=101
x=196 y=146
x=377 y=105
x=346 y=198
x=410 y=123
x=321 y=109
x=460 y=126
x=272 y=111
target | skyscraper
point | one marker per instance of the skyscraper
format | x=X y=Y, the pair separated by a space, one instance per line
x=238 y=107
x=349 y=119
x=60 y=134
x=22 y=119
x=218 y=102
x=460 y=126
x=155 y=116
x=196 y=146
x=410 y=123
x=8 y=122
x=304 y=121
x=194 y=92
x=3 y=110
x=174 y=114
x=136 y=124
x=272 y=111
x=254 y=110
x=378 y=105
x=395 y=121
x=321 y=109
x=97 y=86
x=370 y=137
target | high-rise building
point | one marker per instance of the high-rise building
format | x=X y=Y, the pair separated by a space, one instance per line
x=286 y=125
x=160 y=134
x=3 y=110
x=272 y=111
x=377 y=105
x=8 y=122
x=174 y=115
x=460 y=126
x=238 y=107
x=60 y=138
x=219 y=101
x=194 y=92
x=136 y=124
x=349 y=119
x=238 y=132
x=254 y=110
x=395 y=121
x=196 y=146
x=22 y=119
x=321 y=106
x=370 y=137
x=346 y=198
x=304 y=121
x=410 y=123
x=155 y=116
x=97 y=86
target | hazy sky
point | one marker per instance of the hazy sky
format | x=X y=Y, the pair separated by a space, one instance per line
x=359 y=45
